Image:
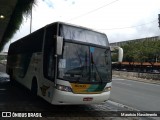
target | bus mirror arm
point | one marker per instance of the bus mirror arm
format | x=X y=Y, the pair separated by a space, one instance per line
x=59 y=46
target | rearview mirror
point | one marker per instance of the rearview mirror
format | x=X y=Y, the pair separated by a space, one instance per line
x=116 y=54
x=59 y=42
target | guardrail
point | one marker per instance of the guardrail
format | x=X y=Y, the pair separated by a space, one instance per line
x=151 y=76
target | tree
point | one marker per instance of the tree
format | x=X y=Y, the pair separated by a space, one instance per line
x=23 y=7
x=142 y=51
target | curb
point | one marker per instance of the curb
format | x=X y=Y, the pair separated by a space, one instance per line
x=138 y=79
x=123 y=106
x=132 y=109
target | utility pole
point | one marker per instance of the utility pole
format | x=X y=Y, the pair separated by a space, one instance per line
x=159 y=20
x=31 y=22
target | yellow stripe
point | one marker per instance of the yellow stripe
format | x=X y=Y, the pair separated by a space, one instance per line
x=82 y=88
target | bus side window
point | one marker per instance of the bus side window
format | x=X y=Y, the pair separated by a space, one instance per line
x=51 y=64
x=49 y=51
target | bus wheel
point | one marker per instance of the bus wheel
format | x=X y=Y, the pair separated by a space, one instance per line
x=12 y=81
x=34 y=87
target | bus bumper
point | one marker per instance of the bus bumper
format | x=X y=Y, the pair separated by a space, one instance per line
x=62 y=97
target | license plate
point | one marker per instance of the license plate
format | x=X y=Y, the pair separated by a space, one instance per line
x=87 y=99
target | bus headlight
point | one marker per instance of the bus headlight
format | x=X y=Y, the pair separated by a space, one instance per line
x=106 y=89
x=63 y=88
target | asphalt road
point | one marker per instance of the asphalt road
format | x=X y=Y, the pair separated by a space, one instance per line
x=15 y=98
x=2 y=68
x=139 y=95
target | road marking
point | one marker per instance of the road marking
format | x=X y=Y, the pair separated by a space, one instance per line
x=117 y=79
x=122 y=105
x=124 y=83
x=139 y=81
x=129 y=108
x=143 y=82
x=2 y=89
x=151 y=83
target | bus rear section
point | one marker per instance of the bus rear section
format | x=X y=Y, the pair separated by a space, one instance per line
x=73 y=67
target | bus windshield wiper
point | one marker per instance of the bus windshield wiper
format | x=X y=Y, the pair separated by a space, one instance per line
x=92 y=62
x=98 y=73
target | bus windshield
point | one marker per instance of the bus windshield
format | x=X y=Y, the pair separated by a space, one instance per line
x=84 y=63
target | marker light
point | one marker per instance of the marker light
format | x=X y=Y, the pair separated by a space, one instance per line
x=63 y=88
x=106 y=89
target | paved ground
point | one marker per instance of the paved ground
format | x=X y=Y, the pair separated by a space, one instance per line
x=139 y=79
x=2 y=68
x=14 y=98
x=139 y=95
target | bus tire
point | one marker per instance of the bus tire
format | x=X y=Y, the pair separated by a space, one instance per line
x=12 y=81
x=34 y=87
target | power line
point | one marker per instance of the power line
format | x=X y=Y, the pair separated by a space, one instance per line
x=92 y=11
x=129 y=26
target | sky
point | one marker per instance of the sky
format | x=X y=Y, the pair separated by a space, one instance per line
x=120 y=20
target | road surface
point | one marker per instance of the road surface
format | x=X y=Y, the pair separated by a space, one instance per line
x=139 y=95
x=15 y=99
x=2 y=68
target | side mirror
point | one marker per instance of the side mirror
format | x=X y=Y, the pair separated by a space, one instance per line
x=59 y=46
x=120 y=54
x=116 y=54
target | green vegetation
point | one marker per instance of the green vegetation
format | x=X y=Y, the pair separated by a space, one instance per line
x=142 y=51
x=114 y=55
x=23 y=7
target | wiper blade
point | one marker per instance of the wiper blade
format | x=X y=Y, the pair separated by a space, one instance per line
x=92 y=62
x=98 y=73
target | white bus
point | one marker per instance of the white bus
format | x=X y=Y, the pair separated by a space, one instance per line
x=63 y=64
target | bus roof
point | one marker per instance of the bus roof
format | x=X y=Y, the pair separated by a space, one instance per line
x=73 y=25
